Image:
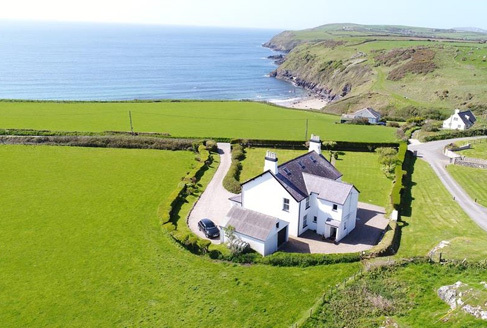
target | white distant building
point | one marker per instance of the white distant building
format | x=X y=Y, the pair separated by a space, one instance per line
x=460 y=120
x=368 y=113
x=288 y=199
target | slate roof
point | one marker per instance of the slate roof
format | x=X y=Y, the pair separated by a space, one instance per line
x=251 y=223
x=468 y=118
x=327 y=189
x=290 y=174
x=367 y=112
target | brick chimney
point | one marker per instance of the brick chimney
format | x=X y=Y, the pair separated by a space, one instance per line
x=270 y=162
x=315 y=144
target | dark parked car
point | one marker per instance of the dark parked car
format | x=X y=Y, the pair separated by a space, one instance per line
x=209 y=228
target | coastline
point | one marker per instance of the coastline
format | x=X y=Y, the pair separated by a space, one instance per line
x=308 y=102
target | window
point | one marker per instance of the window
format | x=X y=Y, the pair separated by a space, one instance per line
x=455 y=118
x=305 y=221
x=307 y=202
x=285 y=205
x=315 y=219
x=345 y=225
x=335 y=207
x=277 y=225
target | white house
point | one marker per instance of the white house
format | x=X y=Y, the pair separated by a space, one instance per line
x=460 y=120
x=288 y=199
x=368 y=113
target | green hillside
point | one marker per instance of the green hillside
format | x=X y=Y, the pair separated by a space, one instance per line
x=398 y=70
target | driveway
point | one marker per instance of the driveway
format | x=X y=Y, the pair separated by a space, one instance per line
x=432 y=152
x=371 y=223
x=213 y=203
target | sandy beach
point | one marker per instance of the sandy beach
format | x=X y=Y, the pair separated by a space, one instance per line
x=302 y=103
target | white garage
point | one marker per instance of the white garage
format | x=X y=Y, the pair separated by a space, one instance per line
x=264 y=233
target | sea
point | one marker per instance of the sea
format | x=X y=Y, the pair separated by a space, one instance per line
x=93 y=61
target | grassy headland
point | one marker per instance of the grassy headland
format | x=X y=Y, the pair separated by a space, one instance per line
x=401 y=71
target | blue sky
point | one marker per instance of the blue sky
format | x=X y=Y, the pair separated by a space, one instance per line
x=278 y=14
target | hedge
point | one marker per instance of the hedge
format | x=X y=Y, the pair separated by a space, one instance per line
x=457 y=134
x=304 y=260
x=398 y=184
x=389 y=243
x=293 y=144
x=231 y=182
x=101 y=141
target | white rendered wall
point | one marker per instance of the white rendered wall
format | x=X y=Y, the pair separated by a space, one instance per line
x=452 y=124
x=265 y=195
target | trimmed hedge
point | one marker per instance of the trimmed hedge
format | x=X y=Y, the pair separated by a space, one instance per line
x=293 y=144
x=231 y=182
x=389 y=243
x=101 y=141
x=457 y=134
x=304 y=260
x=398 y=184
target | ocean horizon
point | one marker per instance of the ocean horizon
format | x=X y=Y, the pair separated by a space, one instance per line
x=103 y=62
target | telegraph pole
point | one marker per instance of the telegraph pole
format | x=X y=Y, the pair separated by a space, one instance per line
x=131 y=126
x=306 y=131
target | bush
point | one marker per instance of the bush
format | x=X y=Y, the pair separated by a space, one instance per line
x=393 y=124
x=360 y=121
x=457 y=134
x=398 y=184
x=337 y=145
x=304 y=260
x=231 y=182
x=389 y=243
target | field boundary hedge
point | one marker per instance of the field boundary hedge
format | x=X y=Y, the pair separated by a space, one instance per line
x=457 y=134
x=101 y=142
x=293 y=144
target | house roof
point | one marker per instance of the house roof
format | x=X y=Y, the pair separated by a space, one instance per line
x=327 y=189
x=367 y=112
x=290 y=174
x=467 y=117
x=236 y=199
x=251 y=223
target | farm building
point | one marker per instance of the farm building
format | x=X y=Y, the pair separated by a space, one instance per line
x=460 y=120
x=368 y=113
x=303 y=194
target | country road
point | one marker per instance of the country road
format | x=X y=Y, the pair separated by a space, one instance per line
x=432 y=153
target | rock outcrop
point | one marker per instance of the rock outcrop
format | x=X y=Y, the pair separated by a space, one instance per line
x=461 y=296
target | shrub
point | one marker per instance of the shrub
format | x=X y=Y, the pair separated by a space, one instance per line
x=211 y=145
x=231 y=182
x=388 y=160
x=418 y=120
x=304 y=260
x=393 y=124
x=360 y=121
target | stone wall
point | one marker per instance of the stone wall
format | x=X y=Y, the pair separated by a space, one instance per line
x=471 y=162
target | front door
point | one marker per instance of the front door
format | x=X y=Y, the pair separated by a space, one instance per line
x=333 y=233
x=281 y=236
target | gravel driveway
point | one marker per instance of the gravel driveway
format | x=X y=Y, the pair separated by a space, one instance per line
x=432 y=152
x=213 y=203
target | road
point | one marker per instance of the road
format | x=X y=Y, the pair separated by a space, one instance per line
x=213 y=203
x=432 y=152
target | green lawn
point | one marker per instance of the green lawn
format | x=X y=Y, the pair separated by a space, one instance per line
x=478 y=150
x=436 y=217
x=82 y=247
x=187 y=119
x=473 y=180
x=361 y=169
x=406 y=295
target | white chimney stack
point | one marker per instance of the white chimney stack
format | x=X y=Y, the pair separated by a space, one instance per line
x=457 y=111
x=270 y=162
x=315 y=144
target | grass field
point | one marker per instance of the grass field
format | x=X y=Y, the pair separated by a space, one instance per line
x=82 y=247
x=436 y=217
x=361 y=169
x=405 y=295
x=473 y=180
x=478 y=150
x=187 y=119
